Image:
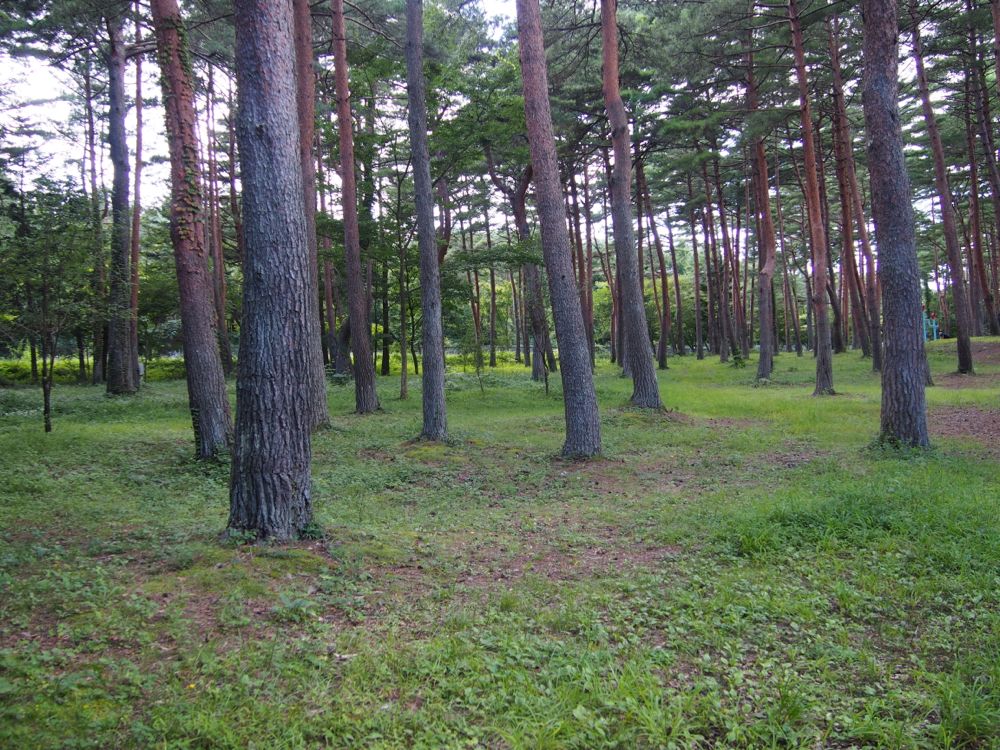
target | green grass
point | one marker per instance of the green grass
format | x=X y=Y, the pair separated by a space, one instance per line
x=745 y=571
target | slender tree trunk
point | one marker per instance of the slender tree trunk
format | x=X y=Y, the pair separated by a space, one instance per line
x=216 y=251
x=270 y=491
x=206 y=382
x=904 y=414
x=698 y=341
x=766 y=243
x=963 y=312
x=121 y=373
x=366 y=398
x=98 y=280
x=136 y=214
x=824 y=353
x=645 y=390
x=305 y=80
x=435 y=426
x=583 y=426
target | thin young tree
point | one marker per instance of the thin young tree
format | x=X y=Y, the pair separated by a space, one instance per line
x=583 y=423
x=904 y=411
x=202 y=361
x=435 y=413
x=365 y=396
x=645 y=390
x=270 y=486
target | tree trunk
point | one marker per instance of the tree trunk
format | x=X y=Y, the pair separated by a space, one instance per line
x=270 y=492
x=98 y=280
x=583 y=426
x=904 y=414
x=121 y=372
x=766 y=252
x=305 y=99
x=963 y=313
x=366 y=398
x=645 y=390
x=435 y=426
x=823 y=347
x=698 y=342
x=206 y=382
x=136 y=214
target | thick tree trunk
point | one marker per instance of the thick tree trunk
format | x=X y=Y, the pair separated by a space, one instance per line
x=366 y=398
x=823 y=345
x=306 y=107
x=121 y=371
x=904 y=414
x=963 y=312
x=435 y=424
x=270 y=492
x=206 y=382
x=583 y=425
x=645 y=390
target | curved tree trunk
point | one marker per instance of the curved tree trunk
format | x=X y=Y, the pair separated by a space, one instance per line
x=963 y=312
x=205 y=378
x=270 y=491
x=817 y=233
x=583 y=424
x=904 y=413
x=645 y=390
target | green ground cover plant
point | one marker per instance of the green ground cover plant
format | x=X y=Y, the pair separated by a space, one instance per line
x=741 y=570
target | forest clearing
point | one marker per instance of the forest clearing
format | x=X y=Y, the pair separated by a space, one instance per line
x=744 y=570
x=502 y=374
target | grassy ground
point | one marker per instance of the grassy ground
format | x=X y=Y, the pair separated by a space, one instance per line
x=742 y=571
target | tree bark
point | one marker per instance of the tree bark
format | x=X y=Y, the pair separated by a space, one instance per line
x=121 y=372
x=270 y=490
x=365 y=396
x=963 y=312
x=206 y=381
x=435 y=418
x=904 y=414
x=583 y=426
x=823 y=344
x=645 y=390
x=136 y=214
x=305 y=99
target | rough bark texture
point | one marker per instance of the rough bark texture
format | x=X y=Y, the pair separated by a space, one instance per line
x=435 y=425
x=365 y=396
x=765 y=363
x=823 y=345
x=134 y=246
x=583 y=425
x=904 y=413
x=121 y=371
x=645 y=390
x=963 y=312
x=205 y=378
x=306 y=101
x=270 y=488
